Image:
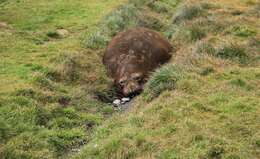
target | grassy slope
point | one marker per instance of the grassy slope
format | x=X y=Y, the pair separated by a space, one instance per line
x=205 y=103
x=25 y=45
x=35 y=119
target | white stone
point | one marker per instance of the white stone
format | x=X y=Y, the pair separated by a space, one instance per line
x=125 y=99
x=117 y=102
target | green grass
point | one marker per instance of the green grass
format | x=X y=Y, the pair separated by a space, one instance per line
x=31 y=23
x=211 y=122
x=203 y=104
x=45 y=112
x=162 y=80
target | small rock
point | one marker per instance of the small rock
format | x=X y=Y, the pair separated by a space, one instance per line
x=62 y=33
x=125 y=100
x=117 y=102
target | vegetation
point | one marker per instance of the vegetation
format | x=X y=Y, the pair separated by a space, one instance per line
x=54 y=91
x=47 y=109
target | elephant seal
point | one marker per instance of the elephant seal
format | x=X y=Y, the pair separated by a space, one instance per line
x=132 y=55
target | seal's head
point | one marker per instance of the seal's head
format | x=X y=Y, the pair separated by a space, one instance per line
x=130 y=80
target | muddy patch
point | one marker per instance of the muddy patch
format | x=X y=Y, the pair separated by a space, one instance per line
x=112 y=97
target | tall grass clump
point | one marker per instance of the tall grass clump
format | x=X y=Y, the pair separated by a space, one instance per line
x=203 y=47
x=196 y=32
x=164 y=6
x=159 y=6
x=96 y=40
x=187 y=12
x=163 y=79
x=243 y=31
x=124 y=17
x=128 y=16
x=233 y=52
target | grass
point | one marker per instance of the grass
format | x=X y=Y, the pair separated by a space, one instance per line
x=45 y=112
x=232 y=52
x=243 y=31
x=163 y=79
x=26 y=42
x=209 y=103
x=54 y=89
x=188 y=13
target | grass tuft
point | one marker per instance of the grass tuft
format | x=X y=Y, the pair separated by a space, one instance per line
x=233 y=52
x=64 y=140
x=96 y=40
x=196 y=33
x=203 y=47
x=152 y=23
x=188 y=13
x=163 y=79
x=124 y=17
x=243 y=31
x=159 y=6
x=206 y=71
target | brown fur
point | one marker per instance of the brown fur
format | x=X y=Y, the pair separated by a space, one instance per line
x=132 y=55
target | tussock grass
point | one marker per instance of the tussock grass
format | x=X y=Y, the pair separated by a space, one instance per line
x=163 y=79
x=158 y=6
x=152 y=23
x=196 y=33
x=131 y=15
x=205 y=47
x=188 y=12
x=96 y=40
x=124 y=17
x=243 y=31
x=233 y=52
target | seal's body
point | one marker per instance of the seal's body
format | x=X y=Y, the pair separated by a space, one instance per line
x=132 y=55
